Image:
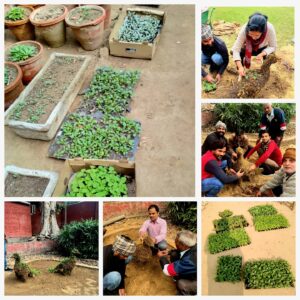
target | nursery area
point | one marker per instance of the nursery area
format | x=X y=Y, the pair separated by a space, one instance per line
x=101 y=102
x=244 y=248
x=144 y=275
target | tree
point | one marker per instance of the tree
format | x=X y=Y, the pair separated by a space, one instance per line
x=50 y=227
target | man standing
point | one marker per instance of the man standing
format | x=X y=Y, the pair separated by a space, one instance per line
x=273 y=120
x=270 y=157
x=182 y=262
x=214 y=54
x=156 y=228
x=115 y=259
x=213 y=174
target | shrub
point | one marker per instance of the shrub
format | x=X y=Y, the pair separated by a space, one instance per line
x=230 y=223
x=218 y=242
x=22 y=52
x=246 y=116
x=262 y=210
x=226 y=213
x=268 y=274
x=183 y=214
x=271 y=222
x=81 y=235
x=229 y=268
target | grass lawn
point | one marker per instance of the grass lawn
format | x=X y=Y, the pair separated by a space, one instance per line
x=281 y=17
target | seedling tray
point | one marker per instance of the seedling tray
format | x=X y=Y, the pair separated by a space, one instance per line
x=47 y=129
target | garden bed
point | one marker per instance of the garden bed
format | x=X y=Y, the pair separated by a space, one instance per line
x=83 y=281
x=20 y=182
x=40 y=109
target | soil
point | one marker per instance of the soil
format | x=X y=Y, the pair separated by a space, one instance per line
x=267 y=244
x=164 y=103
x=48 y=91
x=84 y=15
x=49 y=13
x=12 y=74
x=279 y=85
x=83 y=281
x=144 y=274
x=17 y=185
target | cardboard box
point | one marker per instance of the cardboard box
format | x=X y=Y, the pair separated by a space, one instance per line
x=135 y=50
x=72 y=166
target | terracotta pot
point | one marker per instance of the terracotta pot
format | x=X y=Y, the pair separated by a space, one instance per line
x=107 y=20
x=31 y=66
x=22 y=29
x=14 y=88
x=90 y=33
x=52 y=31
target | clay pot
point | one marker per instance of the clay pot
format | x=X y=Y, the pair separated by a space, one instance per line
x=52 y=30
x=107 y=20
x=22 y=29
x=31 y=66
x=88 y=33
x=15 y=87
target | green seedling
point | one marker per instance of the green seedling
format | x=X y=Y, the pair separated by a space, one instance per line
x=22 y=52
x=208 y=87
x=15 y=13
x=229 y=269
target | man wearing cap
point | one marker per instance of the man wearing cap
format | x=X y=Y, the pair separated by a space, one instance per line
x=115 y=259
x=273 y=120
x=214 y=54
x=283 y=184
x=155 y=228
x=181 y=264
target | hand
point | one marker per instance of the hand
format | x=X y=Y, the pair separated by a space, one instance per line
x=241 y=71
x=258 y=194
x=260 y=57
x=234 y=154
x=161 y=253
x=218 y=78
x=239 y=174
x=122 y=292
x=209 y=78
x=252 y=167
x=232 y=171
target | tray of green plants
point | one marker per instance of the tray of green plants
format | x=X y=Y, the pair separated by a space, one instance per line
x=271 y=222
x=229 y=268
x=218 y=242
x=139 y=28
x=262 y=210
x=100 y=181
x=96 y=137
x=208 y=86
x=268 y=273
x=110 y=91
x=229 y=222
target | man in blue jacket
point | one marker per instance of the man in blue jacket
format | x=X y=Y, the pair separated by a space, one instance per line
x=181 y=264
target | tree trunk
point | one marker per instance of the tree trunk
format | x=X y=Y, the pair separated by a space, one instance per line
x=50 y=227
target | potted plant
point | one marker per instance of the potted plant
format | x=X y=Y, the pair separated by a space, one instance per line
x=87 y=23
x=28 y=55
x=17 y=20
x=49 y=24
x=13 y=85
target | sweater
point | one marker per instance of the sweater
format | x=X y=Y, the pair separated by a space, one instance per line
x=269 y=42
x=113 y=263
x=288 y=182
x=219 y=47
x=273 y=152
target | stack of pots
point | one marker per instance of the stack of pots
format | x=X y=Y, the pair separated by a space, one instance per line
x=87 y=23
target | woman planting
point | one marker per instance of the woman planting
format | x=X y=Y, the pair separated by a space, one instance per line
x=256 y=38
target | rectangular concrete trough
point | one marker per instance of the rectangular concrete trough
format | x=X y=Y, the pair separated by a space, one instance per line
x=52 y=176
x=46 y=131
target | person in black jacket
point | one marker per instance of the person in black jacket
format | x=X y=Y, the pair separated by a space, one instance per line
x=214 y=53
x=181 y=263
x=115 y=259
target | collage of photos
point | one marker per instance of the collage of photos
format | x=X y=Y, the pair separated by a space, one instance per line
x=190 y=177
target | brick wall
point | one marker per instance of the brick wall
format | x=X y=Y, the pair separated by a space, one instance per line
x=83 y=210
x=113 y=209
x=34 y=247
x=17 y=220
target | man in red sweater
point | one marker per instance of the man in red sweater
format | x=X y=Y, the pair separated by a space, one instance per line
x=270 y=156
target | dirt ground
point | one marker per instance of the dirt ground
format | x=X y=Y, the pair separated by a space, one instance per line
x=280 y=84
x=164 y=103
x=268 y=244
x=83 y=281
x=143 y=279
